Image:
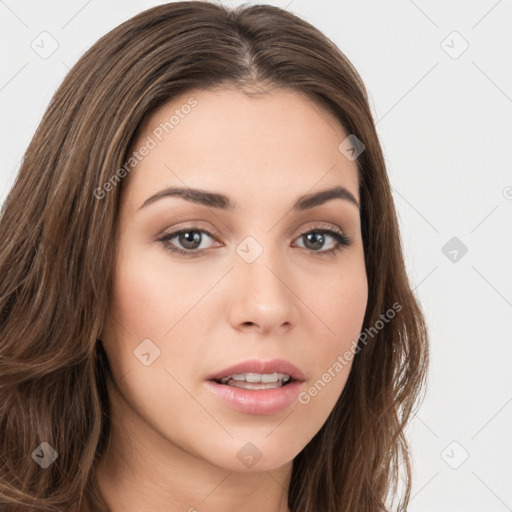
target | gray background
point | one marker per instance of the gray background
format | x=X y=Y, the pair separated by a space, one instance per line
x=444 y=116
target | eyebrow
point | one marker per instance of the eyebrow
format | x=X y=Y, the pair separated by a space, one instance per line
x=221 y=201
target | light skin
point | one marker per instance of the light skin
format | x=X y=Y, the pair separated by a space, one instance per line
x=173 y=444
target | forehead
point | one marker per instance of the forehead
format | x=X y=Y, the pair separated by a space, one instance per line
x=279 y=142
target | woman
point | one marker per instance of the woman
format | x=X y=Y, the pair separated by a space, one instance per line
x=204 y=303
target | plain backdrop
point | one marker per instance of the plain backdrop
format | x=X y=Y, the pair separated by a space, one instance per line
x=439 y=75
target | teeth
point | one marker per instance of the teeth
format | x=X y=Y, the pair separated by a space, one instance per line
x=264 y=378
x=254 y=385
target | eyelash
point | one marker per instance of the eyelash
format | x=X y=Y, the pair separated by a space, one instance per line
x=341 y=238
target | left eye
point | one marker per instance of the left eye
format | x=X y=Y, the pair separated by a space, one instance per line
x=316 y=240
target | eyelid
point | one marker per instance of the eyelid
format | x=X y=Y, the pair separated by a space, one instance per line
x=319 y=227
x=191 y=225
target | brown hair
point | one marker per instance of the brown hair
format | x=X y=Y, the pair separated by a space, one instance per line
x=58 y=252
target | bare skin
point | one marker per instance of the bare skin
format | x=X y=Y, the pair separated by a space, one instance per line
x=174 y=445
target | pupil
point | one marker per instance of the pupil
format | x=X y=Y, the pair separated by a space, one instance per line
x=317 y=240
x=190 y=238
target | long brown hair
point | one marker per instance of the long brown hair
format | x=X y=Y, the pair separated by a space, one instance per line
x=58 y=251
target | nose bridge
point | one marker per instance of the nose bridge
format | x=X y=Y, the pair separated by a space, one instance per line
x=263 y=295
x=261 y=267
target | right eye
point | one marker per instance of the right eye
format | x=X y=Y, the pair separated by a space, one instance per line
x=190 y=238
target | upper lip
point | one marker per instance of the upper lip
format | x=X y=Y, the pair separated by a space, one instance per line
x=258 y=366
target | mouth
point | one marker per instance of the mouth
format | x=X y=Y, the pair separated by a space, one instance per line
x=257 y=374
x=257 y=387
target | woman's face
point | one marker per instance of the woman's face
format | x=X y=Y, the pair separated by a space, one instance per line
x=254 y=278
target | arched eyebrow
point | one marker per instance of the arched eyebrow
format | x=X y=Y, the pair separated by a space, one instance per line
x=221 y=201
x=317 y=198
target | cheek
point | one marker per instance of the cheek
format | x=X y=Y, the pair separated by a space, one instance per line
x=148 y=299
x=152 y=301
x=341 y=305
x=147 y=302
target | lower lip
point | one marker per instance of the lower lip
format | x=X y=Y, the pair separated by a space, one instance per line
x=256 y=401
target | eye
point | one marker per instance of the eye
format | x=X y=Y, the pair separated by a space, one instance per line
x=316 y=237
x=190 y=238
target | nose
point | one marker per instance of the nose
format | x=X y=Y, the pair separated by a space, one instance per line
x=263 y=297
